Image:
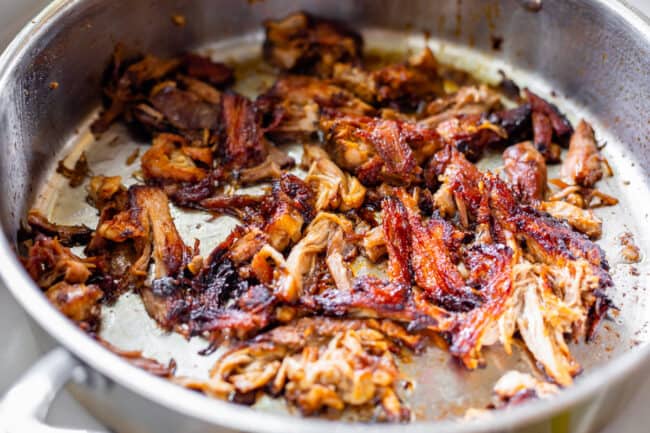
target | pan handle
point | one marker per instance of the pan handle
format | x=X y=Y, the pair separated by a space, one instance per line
x=24 y=407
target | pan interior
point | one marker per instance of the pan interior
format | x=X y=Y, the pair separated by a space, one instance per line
x=442 y=387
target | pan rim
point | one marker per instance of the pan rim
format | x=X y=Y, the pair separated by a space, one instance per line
x=229 y=415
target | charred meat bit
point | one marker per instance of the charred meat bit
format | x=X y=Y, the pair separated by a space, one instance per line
x=304 y=43
x=184 y=110
x=525 y=169
x=79 y=302
x=243 y=142
x=294 y=103
x=48 y=261
x=583 y=164
x=204 y=69
x=559 y=122
x=76 y=175
x=67 y=235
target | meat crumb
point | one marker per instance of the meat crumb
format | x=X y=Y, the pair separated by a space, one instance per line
x=629 y=251
x=179 y=20
x=133 y=156
x=77 y=174
x=54 y=85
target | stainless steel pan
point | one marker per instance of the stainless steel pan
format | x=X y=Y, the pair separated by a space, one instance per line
x=594 y=54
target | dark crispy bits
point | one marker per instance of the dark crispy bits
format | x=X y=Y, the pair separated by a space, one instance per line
x=126 y=83
x=66 y=234
x=525 y=169
x=131 y=236
x=490 y=267
x=432 y=263
x=410 y=84
x=243 y=142
x=77 y=174
x=397 y=233
x=165 y=95
x=184 y=110
x=559 y=122
x=516 y=122
x=204 y=69
x=547 y=238
x=295 y=102
x=304 y=43
x=471 y=134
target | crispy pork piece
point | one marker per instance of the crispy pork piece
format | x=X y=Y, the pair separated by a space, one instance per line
x=549 y=240
x=516 y=122
x=79 y=302
x=183 y=110
x=289 y=275
x=244 y=144
x=244 y=207
x=462 y=188
x=379 y=149
x=471 y=134
x=515 y=387
x=402 y=85
x=580 y=219
x=525 y=169
x=490 y=267
x=107 y=191
x=467 y=101
x=270 y=169
x=561 y=126
x=301 y=42
x=396 y=298
x=295 y=103
x=286 y=210
x=128 y=85
x=203 y=90
x=204 y=69
x=431 y=262
x=68 y=235
x=125 y=83
x=47 y=261
x=332 y=188
x=128 y=238
x=374 y=244
x=543 y=136
x=542 y=319
x=583 y=164
x=317 y=365
x=171 y=159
